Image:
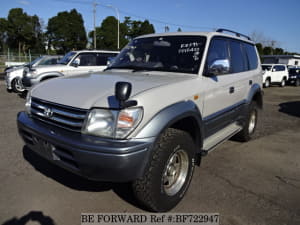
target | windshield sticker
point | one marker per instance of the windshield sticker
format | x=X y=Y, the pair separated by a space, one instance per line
x=189 y=47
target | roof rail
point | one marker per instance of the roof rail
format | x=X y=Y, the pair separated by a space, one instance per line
x=221 y=30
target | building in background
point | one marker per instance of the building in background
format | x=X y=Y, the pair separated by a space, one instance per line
x=289 y=60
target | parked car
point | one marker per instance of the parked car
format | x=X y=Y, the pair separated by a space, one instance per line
x=165 y=101
x=74 y=62
x=275 y=74
x=294 y=76
x=14 y=75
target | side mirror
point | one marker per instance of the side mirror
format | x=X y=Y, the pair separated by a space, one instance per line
x=122 y=93
x=273 y=70
x=218 y=67
x=76 y=62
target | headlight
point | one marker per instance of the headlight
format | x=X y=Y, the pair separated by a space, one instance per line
x=28 y=103
x=112 y=123
x=292 y=77
x=29 y=73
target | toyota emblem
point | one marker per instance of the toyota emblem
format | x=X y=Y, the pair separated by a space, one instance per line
x=48 y=112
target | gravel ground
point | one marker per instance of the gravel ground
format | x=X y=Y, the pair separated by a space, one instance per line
x=257 y=182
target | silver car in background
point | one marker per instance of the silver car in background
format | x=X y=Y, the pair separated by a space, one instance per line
x=14 y=75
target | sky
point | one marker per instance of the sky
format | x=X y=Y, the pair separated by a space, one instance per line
x=271 y=19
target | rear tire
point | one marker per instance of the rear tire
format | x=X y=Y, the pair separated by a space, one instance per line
x=168 y=173
x=250 y=125
x=17 y=85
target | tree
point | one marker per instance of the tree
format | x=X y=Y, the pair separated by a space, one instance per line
x=259 y=48
x=66 y=32
x=23 y=31
x=268 y=50
x=106 y=34
x=3 y=33
x=278 y=51
x=136 y=28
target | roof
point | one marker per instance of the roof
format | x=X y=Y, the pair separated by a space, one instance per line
x=281 y=56
x=207 y=34
x=273 y=64
x=99 y=51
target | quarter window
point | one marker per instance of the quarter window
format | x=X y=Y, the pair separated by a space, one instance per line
x=252 y=56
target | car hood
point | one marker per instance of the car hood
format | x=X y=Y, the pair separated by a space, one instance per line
x=97 y=90
x=46 y=68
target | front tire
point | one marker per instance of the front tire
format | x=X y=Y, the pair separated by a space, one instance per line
x=297 y=82
x=250 y=125
x=267 y=83
x=169 y=172
x=282 y=83
x=17 y=85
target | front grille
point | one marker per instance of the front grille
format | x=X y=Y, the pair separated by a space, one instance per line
x=59 y=115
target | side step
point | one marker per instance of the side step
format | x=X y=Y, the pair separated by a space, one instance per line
x=214 y=140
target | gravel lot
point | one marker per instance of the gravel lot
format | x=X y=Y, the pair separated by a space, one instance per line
x=247 y=183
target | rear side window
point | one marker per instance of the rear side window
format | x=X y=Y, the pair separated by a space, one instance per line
x=87 y=59
x=102 y=58
x=237 y=57
x=251 y=55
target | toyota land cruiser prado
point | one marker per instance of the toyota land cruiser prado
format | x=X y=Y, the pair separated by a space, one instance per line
x=165 y=101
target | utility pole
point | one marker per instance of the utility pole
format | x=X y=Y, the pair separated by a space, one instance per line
x=94 y=11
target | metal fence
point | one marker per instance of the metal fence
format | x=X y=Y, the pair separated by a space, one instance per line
x=15 y=59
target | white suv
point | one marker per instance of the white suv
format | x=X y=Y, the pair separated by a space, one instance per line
x=274 y=74
x=73 y=63
x=166 y=101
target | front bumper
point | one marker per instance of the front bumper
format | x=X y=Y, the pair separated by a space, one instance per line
x=88 y=156
x=8 y=82
x=292 y=80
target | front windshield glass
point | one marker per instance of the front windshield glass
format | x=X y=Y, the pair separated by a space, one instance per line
x=66 y=59
x=34 y=61
x=268 y=68
x=180 y=54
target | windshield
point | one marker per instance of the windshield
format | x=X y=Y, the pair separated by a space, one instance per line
x=180 y=54
x=34 y=61
x=66 y=59
x=264 y=67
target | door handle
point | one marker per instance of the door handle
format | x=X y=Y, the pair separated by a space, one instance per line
x=231 y=90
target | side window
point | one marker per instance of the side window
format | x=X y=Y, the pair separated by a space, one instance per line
x=218 y=50
x=86 y=59
x=279 y=68
x=103 y=58
x=251 y=55
x=237 y=57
